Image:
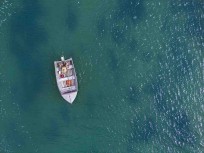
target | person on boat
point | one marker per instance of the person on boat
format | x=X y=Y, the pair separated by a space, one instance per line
x=60 y=65
x=69 y=83
x=67 y=64
x=64 y=70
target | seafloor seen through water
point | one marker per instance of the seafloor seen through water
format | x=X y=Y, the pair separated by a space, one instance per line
x=140 y=69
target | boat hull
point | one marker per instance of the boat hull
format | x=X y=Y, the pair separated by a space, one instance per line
x=70 y=97
x=66 y=79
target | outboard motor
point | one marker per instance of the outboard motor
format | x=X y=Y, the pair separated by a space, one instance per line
x=62 y=58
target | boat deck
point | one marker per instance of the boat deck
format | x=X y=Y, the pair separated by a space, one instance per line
x=66 y=76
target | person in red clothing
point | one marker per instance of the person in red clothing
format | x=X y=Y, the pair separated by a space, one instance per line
x=69 y=83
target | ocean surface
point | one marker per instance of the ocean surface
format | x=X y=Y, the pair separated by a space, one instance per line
x=140 y=68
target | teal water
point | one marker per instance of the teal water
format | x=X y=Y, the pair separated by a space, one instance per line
x=140 y=68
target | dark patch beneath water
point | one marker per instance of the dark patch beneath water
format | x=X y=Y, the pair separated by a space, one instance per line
x=193 y=12
x=148 y=89
x=91 y=101
x=101 y=27
x=143 y=129
x=187 y=5
x=181 y=130
x=52 y=132
x=128 y=12
x=195 y=24
x=131 y=9
x=118 y=34
x=94 y=149
x=64 y=111
x=159 y=98
x=133 y=45
x=113 y=61
x=180 y=127
x=180 y=60
x=72 y=19
x=133 y=94
x=113 y=64
x=25 y=38
x=14 y=136
x=146 y=56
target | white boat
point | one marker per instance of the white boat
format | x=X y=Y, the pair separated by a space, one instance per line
x=66 y=79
